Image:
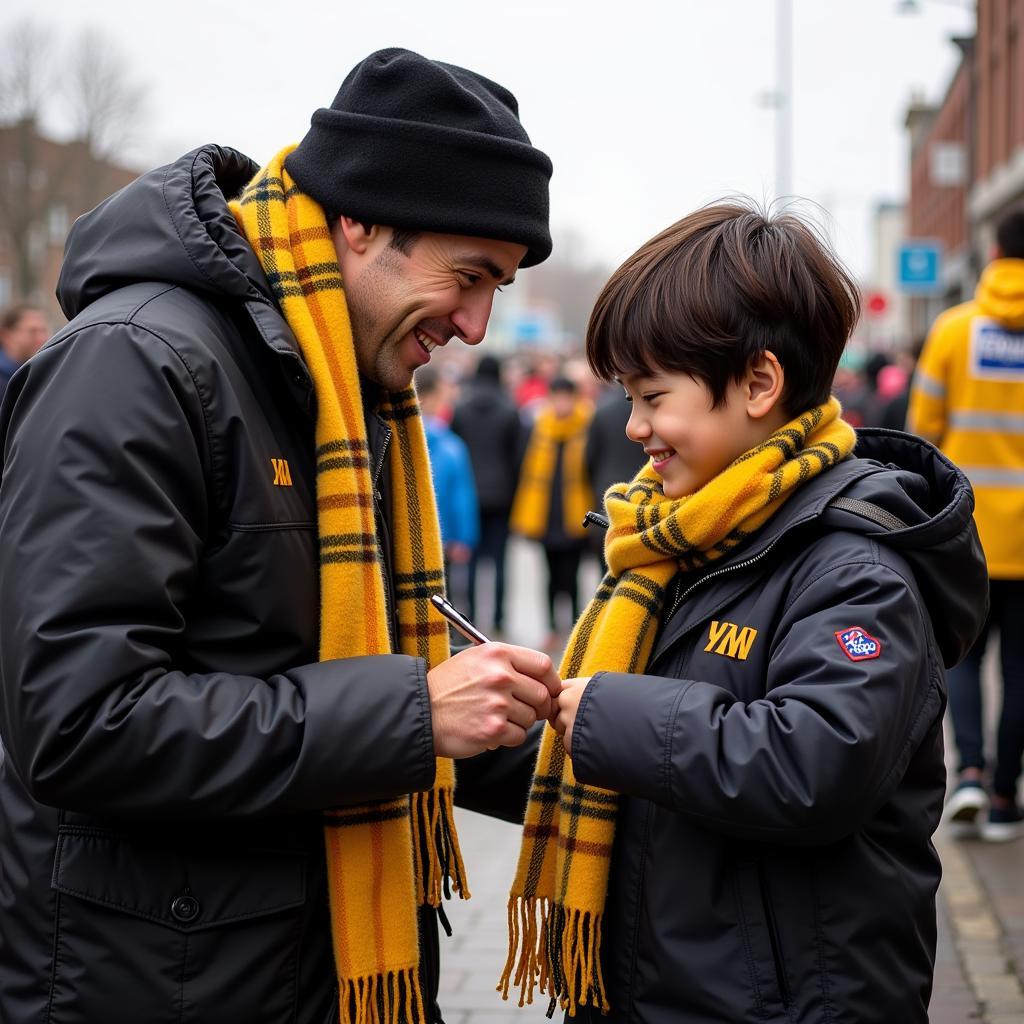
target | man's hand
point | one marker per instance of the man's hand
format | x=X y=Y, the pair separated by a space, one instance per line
x=489 y=696
x=564 y=717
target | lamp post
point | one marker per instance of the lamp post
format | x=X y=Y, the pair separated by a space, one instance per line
x=783 y=96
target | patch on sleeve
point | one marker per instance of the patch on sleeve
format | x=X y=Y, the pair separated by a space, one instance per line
x=858 y=643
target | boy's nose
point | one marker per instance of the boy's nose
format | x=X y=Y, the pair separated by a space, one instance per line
x=637 y=428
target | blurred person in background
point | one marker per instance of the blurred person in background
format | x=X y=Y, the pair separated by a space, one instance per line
x=23 y=331
x=874 y=370
x=554 y=495
x=611 y=457
x=452 y=473
x=967 y=397
x=532 y=388
x=850 y=387
x=488 y=422
x=897 y=381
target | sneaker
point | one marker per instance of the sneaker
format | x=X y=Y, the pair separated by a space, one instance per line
x=1003 y=824
x=966 y=807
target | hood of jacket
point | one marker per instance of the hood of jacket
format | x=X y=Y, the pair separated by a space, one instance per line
x=1000 y=292
x=909 y=496
x=171 y=224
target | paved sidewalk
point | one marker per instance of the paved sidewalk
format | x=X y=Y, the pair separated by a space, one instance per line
x=979 y=961
x=979 y=973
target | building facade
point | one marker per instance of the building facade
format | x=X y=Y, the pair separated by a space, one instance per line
x=45 y=185
x=967 y=157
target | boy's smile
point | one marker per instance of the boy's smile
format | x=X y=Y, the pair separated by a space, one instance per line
x=689 y=440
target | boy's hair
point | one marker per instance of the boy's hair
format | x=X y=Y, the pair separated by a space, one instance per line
x=1010 y=234
x=715 y=290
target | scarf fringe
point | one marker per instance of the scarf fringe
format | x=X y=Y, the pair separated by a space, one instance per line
x=391 y=998
x=433 y=813
x=556 y=951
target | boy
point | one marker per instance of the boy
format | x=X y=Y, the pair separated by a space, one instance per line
x=753 y=700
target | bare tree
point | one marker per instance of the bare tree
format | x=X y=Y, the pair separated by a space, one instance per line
x=24 y=81
x=37 y=175
x=105 y=105
x=24 y=194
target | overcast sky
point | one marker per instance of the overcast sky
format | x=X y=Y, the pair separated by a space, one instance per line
x=647 y=108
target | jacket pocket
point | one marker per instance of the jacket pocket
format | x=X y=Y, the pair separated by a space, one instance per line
x=177 y=932
x=766 y=963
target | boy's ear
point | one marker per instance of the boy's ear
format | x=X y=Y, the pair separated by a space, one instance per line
x=763 y=385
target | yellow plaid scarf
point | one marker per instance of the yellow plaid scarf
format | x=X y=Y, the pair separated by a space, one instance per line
x=530 y=506
x=383 y=859
x=557 y=899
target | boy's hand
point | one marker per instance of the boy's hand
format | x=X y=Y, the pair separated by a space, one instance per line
x=488 y=696
x=565 y=717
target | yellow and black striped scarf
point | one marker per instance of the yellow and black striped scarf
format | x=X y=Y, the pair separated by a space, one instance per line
x=383 y=859
x=529 y=517
x=557 y=900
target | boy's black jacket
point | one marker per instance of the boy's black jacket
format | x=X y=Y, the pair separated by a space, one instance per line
x=772 y=858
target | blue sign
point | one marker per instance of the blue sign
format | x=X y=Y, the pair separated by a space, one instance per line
x=920 y=267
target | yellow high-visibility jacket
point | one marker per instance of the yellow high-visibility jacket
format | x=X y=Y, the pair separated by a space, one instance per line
x=967 y=397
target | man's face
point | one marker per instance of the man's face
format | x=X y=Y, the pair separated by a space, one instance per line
x=27 y=336
x=403 y=305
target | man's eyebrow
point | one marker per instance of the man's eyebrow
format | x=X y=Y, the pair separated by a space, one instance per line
x=492 y=268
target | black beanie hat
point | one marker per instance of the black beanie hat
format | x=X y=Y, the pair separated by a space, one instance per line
x=419 y=145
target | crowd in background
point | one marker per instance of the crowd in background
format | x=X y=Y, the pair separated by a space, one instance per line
x=544 y=440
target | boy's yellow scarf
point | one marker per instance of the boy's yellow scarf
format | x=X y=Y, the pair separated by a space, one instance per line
x=557 y=899
x=383 y=859
x=533 y=496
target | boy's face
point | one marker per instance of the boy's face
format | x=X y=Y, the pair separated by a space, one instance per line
x=689 y=442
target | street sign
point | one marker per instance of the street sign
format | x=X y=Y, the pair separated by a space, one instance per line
x=876 y=303
x=919 y=263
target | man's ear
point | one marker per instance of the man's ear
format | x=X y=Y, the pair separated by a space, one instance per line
x=763 y=385
x=356 y=236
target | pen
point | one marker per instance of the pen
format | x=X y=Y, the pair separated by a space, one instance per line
x=458 y=620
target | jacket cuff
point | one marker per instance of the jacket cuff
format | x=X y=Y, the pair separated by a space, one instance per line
x=621 y=738
x=369 y=734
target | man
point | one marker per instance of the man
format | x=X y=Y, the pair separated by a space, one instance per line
x=488 y=421
x=23 y=330
x=967 y=396
x=227 y=708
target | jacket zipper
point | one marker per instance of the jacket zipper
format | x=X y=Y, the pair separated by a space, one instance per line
x=773 y=937
x=378 y=502
x=719 y=572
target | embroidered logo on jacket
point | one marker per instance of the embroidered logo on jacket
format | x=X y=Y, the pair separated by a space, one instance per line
x=731 y=640
x=858 y=644
x=282 y=474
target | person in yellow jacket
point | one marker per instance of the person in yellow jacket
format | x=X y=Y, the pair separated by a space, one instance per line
x=553 y=494
x=967 y=397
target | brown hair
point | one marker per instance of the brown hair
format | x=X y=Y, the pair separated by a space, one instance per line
x=715 y=290
x=12 y=316
x=1010 y=234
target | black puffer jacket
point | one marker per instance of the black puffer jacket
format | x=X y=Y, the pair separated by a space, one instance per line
x=486 y=418
x=783 y=777
x=168 y=733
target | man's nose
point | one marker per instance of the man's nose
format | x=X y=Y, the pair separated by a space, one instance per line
x=471 y=319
